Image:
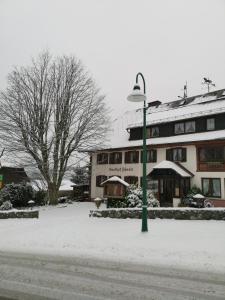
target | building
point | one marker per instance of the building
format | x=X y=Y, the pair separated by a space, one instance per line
x=185 y=147
x=12 y=175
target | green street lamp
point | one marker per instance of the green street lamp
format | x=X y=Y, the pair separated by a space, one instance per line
x=138 y=96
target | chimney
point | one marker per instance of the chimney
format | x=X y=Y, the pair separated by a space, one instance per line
x=154 y=103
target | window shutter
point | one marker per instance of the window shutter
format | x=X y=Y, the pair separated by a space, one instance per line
x=169 y=154
x=154 y=155
x=184 y=154
x=136 y=156
x=126 y=157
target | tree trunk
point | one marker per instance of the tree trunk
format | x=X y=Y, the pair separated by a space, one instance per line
x=52 y=194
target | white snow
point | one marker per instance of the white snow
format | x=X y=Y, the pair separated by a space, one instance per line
x=198 y=245
x=198 y=196
x=115 y=179
x=201 y=106
x=66 y=185
x=165 y=164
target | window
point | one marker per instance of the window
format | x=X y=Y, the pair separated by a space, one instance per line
x=176 y=154
x=131 y=157
x=152 y=132
x=184 y=127
x=212 y=154
x=210 y=124
x=155 y=131
x=179 y=128
x=211 y=187
x=115 y=158
x=114 y=190
x=148 y=133
x=100 y=179
x=151 y=156
x=152 y=185
x=102 y=158
x=131 y=179
x=190 y=126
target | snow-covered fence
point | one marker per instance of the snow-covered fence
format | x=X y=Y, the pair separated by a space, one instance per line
x=162 y=213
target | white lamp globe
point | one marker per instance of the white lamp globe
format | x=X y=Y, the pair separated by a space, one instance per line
x=136 y=95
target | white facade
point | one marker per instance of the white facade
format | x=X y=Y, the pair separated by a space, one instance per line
x=136 y=170
x=126 y=135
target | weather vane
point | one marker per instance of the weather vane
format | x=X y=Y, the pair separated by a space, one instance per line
x=209 y=83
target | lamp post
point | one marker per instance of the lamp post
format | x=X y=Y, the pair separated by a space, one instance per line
x=138 y=96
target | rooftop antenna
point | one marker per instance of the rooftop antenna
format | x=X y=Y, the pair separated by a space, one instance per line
x=209 y=83
x=185 y=92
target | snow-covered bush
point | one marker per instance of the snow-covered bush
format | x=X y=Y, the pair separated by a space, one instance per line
x=7 y=205
x=194 y=191
x=17 y=194
x=135 y=195
x=116 y=203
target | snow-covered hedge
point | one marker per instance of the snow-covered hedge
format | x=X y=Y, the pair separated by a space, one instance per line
x=7 y=205
x=135 y=195
x=17 y=194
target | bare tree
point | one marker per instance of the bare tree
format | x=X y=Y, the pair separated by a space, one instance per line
x=49 y=111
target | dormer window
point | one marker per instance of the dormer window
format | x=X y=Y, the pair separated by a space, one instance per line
x=190 y=126
x=155 y=131
x=210 y=124
x=184 y=127
x=152 y=132
x=179 y=128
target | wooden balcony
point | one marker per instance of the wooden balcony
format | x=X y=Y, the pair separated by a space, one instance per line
x=211 y=166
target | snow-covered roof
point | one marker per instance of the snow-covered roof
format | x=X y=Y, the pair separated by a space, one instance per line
x=115 y=179
x=165 y=164
x=67 y=185
x=208 y=104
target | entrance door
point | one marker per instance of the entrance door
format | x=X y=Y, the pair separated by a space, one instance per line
x=166 y=191
x=169 y=184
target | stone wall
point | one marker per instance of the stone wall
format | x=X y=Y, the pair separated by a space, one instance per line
x=19 y=214
x=153 y=213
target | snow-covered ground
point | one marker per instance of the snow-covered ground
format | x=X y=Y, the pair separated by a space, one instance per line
x=69 y=231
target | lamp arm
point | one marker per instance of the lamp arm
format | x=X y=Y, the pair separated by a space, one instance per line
x=142 y=76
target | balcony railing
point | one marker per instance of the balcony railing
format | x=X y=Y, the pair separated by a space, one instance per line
x=211 y=166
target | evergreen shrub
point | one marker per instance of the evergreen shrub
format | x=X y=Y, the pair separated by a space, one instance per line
x=135 y=195
x=17 y=194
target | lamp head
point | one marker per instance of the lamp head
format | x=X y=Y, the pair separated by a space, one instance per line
x=136 y=95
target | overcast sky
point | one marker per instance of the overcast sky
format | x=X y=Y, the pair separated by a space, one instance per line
x=168 y=41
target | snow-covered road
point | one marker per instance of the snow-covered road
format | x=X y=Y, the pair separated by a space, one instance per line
x=48 y=277
x=68 y=231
